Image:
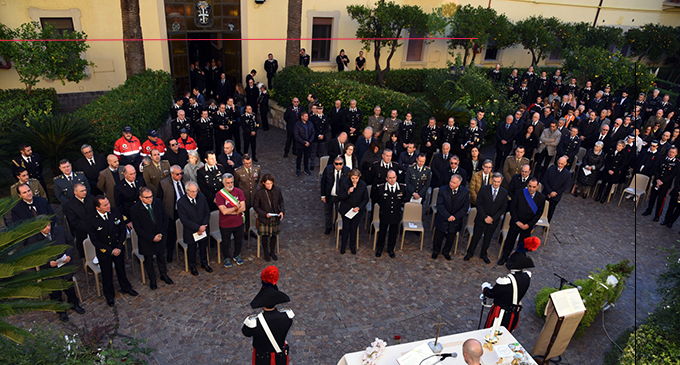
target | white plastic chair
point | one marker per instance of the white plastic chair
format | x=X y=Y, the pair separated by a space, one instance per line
x=323 y=162
x=433 y=206
x=253 y=228
x=135 y=252
x=413 y=215
x=369 y=207
x=90 y=254
x=215 y=232
x=338 y=228
x=637 y=187
x=469 y=228
x=543 y=222
x=375 y=225
x=181 y=243
x=504 y=233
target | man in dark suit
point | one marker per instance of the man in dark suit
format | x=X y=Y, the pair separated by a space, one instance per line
x=440 y=161
x=58 y=235
x=229 y=159
x=291 y=116
x=453 y=169
x=336 y=147
x=109 y=178
x=304 y=137
x=91 y=164
x=107 y=233
x=175 y=155
x=408 y=157
x=603 y=136
x=151 y=222
x=337 y=118
x=665 y=173
x=519 y=181
x=526 y=209
x=194 y=213
x=452 y=206
x=223 y=89
x=505 y=138
x=78 y=212
x=170 y=190
x=29 y=206
x=353 y=119
x=330 y=187
x=126 y=192
x=555 y=182
x=492 y=201
x=617 y=131
x=32 y=163
x=391 y=197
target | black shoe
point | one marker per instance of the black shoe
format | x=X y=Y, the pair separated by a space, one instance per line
x=669 y=225
x=285 y=154
x=353 y=251
x=167 y=280
x=598 y=197
x=486 y=260
x=502 y=261
x=276 y=258
x=663 y=223
x=297 y=173
x=207 y=268
x=467 y=258
x=131 y=292
x=342 y=251
x=169 y=259
x=252 y=234
x=254 y=159
x=378 y=253
x=434 y=256
x=328 y=231
x=575 y=194
x=110 y=303
x=584 y=195
x=79 y=309
x=194 y=272
x=603 y=200
x=646 y=212
x=656 y=219
x=153 y=286
x=308 y=172
x=63 y=316
x=447 y=257
x=392 y=255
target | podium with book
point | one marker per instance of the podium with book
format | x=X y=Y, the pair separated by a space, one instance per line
x=564 y=312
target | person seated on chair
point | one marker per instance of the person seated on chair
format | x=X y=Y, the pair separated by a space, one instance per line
x=453 y=203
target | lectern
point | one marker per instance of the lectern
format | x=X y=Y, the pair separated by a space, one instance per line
x=564 y=312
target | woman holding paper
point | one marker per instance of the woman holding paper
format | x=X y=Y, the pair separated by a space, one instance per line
x=353 y=199
x=590 y=168
x=268 y=205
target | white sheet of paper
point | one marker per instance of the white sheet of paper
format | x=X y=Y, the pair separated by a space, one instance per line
x=417 y=356
x=198 y=237
x=351 y=213
x=95 y=260
x=272 y=215
x=586 y=171
x=60 y=261
x=411 y=225
x=414 y=200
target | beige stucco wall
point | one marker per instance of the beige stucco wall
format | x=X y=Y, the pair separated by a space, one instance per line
x=99 y=19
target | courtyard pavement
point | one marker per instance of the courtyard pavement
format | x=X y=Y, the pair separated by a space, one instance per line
x=343 y=302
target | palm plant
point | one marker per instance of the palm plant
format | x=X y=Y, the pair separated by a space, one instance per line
x=21 y=287
x=443 y=110
x=53 y=136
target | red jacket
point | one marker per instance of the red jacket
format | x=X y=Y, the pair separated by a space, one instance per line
x=190 y=144
x=148 y=146
x=128 y=152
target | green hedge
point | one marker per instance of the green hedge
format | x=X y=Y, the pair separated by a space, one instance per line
x=16 y=105
x=142 y=102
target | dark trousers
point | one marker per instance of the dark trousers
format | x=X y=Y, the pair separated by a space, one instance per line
x=264 y=118
x=226 y=241
x=318 y=150
x=269 y=81
x=290 y=143
x=71 y=295
x=542 y=158
x=171 y=240
x=513 y=233
x=202 y=252
x=437 y=241
x=500 y=159
x=349 y=231
x=303 y=152
x=673 y=212
x=249 y=141
x=329 y=209
x=80 y=237
x=657 y=198
x=246 y=223
x=552 y=204
x=391 y=240
x=487 y=230
x=160 y=260
x=106 y=262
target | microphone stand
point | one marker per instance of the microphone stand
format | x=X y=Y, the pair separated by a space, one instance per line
x=565 y=281
x=484 y=305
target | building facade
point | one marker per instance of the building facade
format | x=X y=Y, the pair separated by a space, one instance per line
x=180 y=32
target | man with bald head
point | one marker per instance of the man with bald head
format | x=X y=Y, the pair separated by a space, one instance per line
x=472 y=352
x=556 y=181
x=109 y=177
x=126 y=192
x=78 y=211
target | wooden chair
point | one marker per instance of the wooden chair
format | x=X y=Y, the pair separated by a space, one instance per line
x=637 y=188
x=135 y=252
x=75 y=283
x=215 y=232
x=543 y=222
x=504 y=233
x=338 y=228
x=375 y=225
x=253 y=228
x=469 y=228
x=90 y=254
x=323 y=162
x=181 y=243
x=433 y=206
x=413 y=215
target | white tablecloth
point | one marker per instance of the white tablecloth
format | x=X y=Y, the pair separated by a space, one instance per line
x=451 y=343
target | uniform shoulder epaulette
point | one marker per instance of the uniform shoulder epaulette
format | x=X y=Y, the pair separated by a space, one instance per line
x=528 y=273
x=288 y=312
x=251 y=321
x=380 y=185
x=402 y=185
x=503 y=280
x=58 y=177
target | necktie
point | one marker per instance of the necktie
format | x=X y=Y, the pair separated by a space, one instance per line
x=601 y=137
x=342 y=146
x=33 y=210
x=70 y=180
x=485 y=180
x=193 y=201
x=507 y=126
x=148 y=207
x=49 y=236
x=91 y=162
x=392 y=189
x=133 y=185
x=247 y=171
x=29 y=159
x=335 y=183
x=179 y=191
x=106 y=217
x=495 y=192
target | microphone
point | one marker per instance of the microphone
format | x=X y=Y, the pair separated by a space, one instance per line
x=578 y=287
x=444 y=356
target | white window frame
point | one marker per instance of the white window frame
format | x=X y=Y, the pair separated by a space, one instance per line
x=335 y=15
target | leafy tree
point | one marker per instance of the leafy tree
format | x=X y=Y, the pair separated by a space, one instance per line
x=40 y=58
x=539 y=36
x=382 y=26
x=603 y=37
x=651 y=41
x=485 y=24
x=20 y=286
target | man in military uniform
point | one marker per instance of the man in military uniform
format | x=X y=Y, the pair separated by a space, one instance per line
x=193 y=112
x=495 y=74
x=247 y=178
x=204 y=133
x=304 y=58
x=270 y=66
x=179 y=123
x=109 y=177
x=32 y=163
x=176 y=107
x=586 y=94
x=156 y=171
x=320 y=123
x=250 y=127
x=78 y=211
x=515 y=285
x=429 y=137
x=353 y=119
x=269 y=328
x=390 y=125
x=91 y=164
x=450 y=134
x=209 y=178
x=126 y=192
x=472 y=137
x=390 y=196
x=524 y=93
x=222 y=125
x=375 y=121
x=128 y=148
x=569 y=146
x=22 y=175
x=153 y=142
x=512 y=82
x=107 y=232
x=541 y=86
x=407 y=130
x=513 y=165
x=664 y=175
x=418 y=179
x=378 y=172
x=63 y=184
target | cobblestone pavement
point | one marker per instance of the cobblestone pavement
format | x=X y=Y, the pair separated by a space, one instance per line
x=343 y=302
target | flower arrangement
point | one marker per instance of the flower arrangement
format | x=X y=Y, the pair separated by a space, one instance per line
x=374 y=352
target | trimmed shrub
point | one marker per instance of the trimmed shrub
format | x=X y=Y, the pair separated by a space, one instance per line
x=16 y=105
x=142 y=102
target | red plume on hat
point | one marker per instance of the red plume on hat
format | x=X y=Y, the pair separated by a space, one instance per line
x=270 y=275
x=532 y=243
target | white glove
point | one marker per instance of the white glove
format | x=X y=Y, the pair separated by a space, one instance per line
x=486 y=285
x=250 y=322
x=481 y=296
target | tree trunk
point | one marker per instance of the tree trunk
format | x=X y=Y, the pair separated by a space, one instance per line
x=534 y=61
x=132 y=29
x=465 y=55
x=381 y=75
x=474 y=55
x=376 y=55
x=294 y=32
